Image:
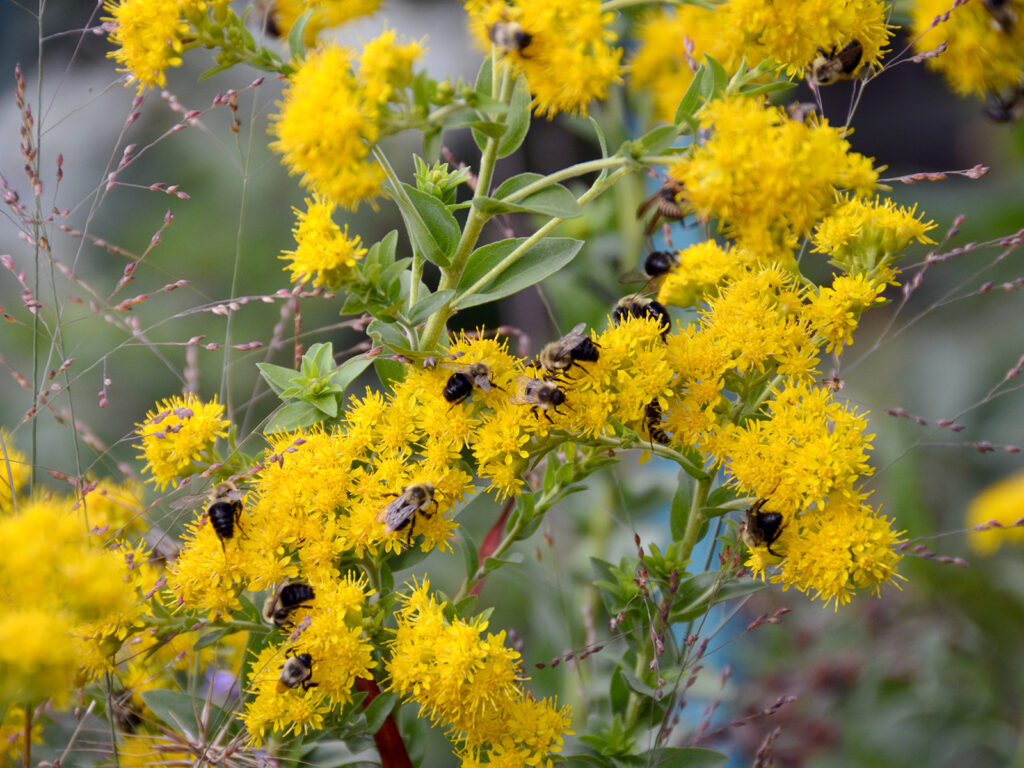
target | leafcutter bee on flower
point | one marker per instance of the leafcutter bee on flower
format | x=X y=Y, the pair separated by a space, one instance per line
x=509 y=36
x=666 y=204
x=296 y=671
x=559 y=356
x=467 y=376
x=401 y=512
x=762 y=529
x=1003 y=16
x=638 y=305
x=831 y=67
x=540 y=395
x=280 y=606
x=653 y=416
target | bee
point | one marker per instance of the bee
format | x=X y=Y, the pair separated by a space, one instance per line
x=1006 y=109
x=125 y=714
x=559 y=356
x=828 y=68
x=762 y=529
x=460 y=384
x=800 y=111
x=296 y=671
x=509 y=36
x=1003 y=17
x=539 y=395
x=652 y=420
x=402 y=511
x=666 y=204
x=278 y=608
x=225 y=510
x=637 y=305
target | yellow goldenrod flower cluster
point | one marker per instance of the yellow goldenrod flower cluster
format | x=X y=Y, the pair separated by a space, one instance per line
x=179 y=433
x=1001 y=503
x=324 y=254
x=699 y=271
x=150 y=36
x=766 y=178
x=566 y=50
x=473 y=685
x=14 y=470
x=331 y=116
x=65 y=597
x=984 y=44
x=325 y=14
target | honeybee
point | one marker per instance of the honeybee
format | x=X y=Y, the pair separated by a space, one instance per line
x=828 y=68
x=1003 y=17
x=402 y=511
x=460 y=384
x=539 y=395
x=762 y=529
x=652 y=420
x=559 y=356
x=225 y=510
x=509 y=36
x=278 y=608
x=666 y=202
x=638 y=305
x=296 y=671
x=1006 y=109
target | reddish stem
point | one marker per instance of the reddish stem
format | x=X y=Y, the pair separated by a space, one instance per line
x=389 y=741
x=492 y=540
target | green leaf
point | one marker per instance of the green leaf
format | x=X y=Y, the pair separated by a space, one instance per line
x=433 y=229
x=553 y=200
x=493 y=563
x=601 y=140
x=293 y=416
x=210 y=638
x=278 y=377
x=773 y=87
x=719 y=77
x=322 y=356
x=517 y=121
x=492 y=129
x=432 y=142
x=349 y=371
x=383 y=251
x=684 y=757
x=687 y=108
x=390 y=372
x=296 y=45
x=542 y=260
x=426 y=306
x=175 y=708
x=579 y=760
x=379 y=710
x=388 y=335
x=679 y=512
x=661 y=138
x=326 y=404
x=469 y=552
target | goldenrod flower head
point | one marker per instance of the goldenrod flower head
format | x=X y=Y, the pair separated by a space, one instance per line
x=279 y=708
x=792 y=31
x=660 y=67
x=834 y=312
x=860 y=234
x=980 y=55
x=385 y=66
x=207 y=573
x=571 y=58
x=115 y=508
x=14 y=469
x=470 y=683
x=324 y=254
x=700 y=270
x=768 y=178
x=326 y=127
x=149 y=35
x=177 y=434
x=1002 y=503
x=326 y=14
x=54 y=583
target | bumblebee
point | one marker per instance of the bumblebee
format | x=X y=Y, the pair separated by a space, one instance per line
x=225 y=510
x=402 y=511
x=637 y=305
x=460 y=384
x=559 y=356
x=762 y=529
x=1006 y=109
x=666 y=204
x=828 y=68
x=540 y=395
x=278 y=608
x=509 y=36
x=659 y=263
x=296 y=671
x=652 y=420
x=1003 y=17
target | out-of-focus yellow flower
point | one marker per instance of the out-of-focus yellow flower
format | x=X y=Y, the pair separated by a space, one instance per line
x=149 y=35
x=14 y=468
x=385 y=66
x=326 y=14
x=661 y=66
x=570 y=58
x=324 y=254
x=115 y=508
x=180 y=432
x=981 y=56
x=1002 y=503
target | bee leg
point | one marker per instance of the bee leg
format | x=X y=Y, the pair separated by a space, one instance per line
x=306 y=685
x=412 y=527
x=548 y=417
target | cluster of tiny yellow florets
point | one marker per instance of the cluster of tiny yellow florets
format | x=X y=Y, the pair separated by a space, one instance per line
x=473 y=685
x=984 y=44
x=149 y=35
x=860 y=234
x=324 y=253
x=571 y=57
x=332 y=115
x=14 y=470
x=178 y=435
x=325 y=14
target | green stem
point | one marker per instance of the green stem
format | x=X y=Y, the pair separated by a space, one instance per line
x=590 y=166
x=643 y=660
x=614 y=5
x=693 y=470
x=695 y=518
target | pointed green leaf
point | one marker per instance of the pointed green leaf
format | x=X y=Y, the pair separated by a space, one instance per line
x=175 y=708
x=296 y=44
x=426 y=306
x=542 y=260
x=684 y=757
x=348 y=371
x=517 y=121
x=293 y=416
x=379 y=709
x=322 y=356
x=278 y=377
x=553 y=200
x=658 y=140
x=686 y=111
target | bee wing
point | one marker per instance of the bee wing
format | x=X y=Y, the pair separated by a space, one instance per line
x=636 y=275
x=192 y=501
x=484 y=382
x=575 y=333
x=519 y=397
x=397 y=513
